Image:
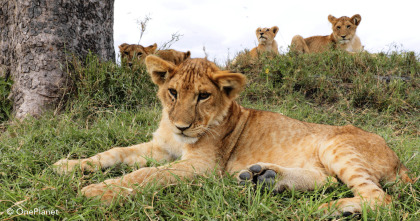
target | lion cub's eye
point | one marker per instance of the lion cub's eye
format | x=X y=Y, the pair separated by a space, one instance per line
x=203 y=96
x=348 y=26
x=126 y=52
x=338 y=27
x=268 y=29
x=173 y=92
x=139 y=54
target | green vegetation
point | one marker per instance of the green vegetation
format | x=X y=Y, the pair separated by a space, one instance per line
x=5 y=104
x=380 y=82
x=109 y=106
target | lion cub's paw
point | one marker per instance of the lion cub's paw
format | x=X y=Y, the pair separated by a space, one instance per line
x=107 y=191
x=259 y=174
x=64 y=166
x=347 y=207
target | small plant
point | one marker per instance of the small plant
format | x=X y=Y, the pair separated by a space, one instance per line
x=5 y=103
x=142 y=23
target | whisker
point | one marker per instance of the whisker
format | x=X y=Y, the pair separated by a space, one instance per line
x=212 y=131
x=209 y=131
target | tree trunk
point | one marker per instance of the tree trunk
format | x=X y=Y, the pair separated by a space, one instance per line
x=36 y=36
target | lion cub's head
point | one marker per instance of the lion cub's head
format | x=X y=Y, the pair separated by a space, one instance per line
x=195 y=94
x=133 y=52
x=344 y=28
x=266 y=35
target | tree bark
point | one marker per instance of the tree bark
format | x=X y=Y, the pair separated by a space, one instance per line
x=36 y=36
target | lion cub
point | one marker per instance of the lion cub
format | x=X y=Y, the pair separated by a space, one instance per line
x=343 y=37
x=266 y=42
x=132 y=52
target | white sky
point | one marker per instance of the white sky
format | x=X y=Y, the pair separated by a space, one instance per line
x=225 y=27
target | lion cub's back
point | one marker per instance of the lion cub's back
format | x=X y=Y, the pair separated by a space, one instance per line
x=319 y=43
x=274 y=138
x=173 y=56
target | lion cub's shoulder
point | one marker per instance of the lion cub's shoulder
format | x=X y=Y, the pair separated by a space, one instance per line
x=173 y=56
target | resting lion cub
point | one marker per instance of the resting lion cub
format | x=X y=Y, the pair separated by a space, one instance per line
x=132 y=52
x=204 y=126
x=343 y=37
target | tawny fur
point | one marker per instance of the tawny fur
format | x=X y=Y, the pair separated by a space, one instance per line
x=132 y=52
x=176 y=57
x=203 y=126
x=343 y=37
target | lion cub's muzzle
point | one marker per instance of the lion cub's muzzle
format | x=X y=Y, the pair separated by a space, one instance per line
x=262 y=36
x=182 y=127
x=185 y=134
x=343 y=39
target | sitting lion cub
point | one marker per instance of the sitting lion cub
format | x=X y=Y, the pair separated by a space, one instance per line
x=132 y=52
x=343 y=37
x=208 y=130
x=266 y=42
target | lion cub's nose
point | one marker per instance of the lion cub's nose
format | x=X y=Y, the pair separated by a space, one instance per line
x=343 y=36
x=182 y=127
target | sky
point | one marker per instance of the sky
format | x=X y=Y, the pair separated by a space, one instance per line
x=222 y=28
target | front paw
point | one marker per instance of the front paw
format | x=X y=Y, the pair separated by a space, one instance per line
x=107 y=190
x=64 y=166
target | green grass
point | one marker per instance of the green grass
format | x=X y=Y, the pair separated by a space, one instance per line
x=111 y=106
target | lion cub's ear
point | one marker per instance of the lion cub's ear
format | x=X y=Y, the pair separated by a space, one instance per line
x=151 y=48
x=257 y=32
x=187 y=55
x=332 y=19
x=274 y=29
x=122 y=46
x=355 y=19
x=158 y=69
x=230 y=83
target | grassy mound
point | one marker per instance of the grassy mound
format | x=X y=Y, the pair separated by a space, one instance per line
x=382 y=82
